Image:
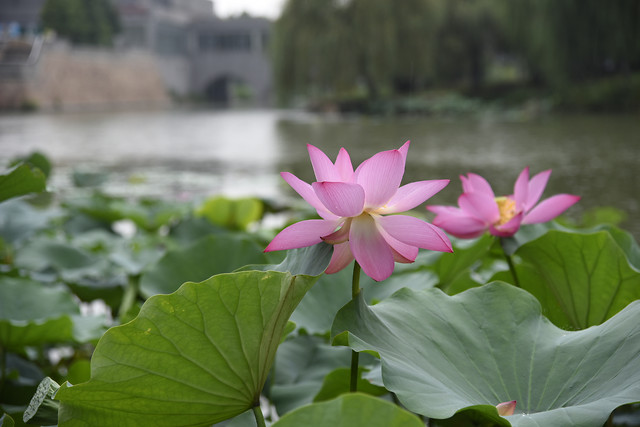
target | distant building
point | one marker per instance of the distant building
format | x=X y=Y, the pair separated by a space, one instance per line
x=19 y=17
x=197 y=53
x=221 y=60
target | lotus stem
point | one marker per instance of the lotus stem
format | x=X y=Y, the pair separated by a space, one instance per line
x=355 y=291
x=512 y=268
x=257 y=412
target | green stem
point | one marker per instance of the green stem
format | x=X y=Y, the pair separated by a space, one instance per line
x=512 y=267
x=129 y=297
x=355 y=291
x=257 y=412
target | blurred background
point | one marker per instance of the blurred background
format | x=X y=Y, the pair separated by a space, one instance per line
x=185 y=99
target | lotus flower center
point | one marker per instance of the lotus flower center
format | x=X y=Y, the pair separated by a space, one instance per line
x=507 y=209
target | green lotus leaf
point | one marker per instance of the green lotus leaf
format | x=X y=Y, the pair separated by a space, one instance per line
x=6 y=421
x=19 y=220
x=350 y=410
x=317 y=310
x=453 y=268
x=32 y=314
x=338 y=382
x=201 y=260
x=443 y=354
x=20 y=180
x=232 y=214
x=301 y=365
x=193 y=358
x=43 y=254
x=580 y=279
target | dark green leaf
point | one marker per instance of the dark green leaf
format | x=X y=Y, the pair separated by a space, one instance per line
x=20 y=180
x=198 y=356
x=350 y=410
x=337 y=382
x=581 y=279
x=208 y=256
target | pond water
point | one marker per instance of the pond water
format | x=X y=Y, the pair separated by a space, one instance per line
x=190 y=154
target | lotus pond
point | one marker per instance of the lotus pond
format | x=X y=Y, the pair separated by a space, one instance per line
x=144 y=311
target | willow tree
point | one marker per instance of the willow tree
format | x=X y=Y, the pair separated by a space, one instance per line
x=572 y=40
x=344 y=47
x=310 y=53
x=92 y=22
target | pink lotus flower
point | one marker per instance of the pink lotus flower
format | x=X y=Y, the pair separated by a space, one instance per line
x=353 y=205
x=506 y=408
x=481 y=210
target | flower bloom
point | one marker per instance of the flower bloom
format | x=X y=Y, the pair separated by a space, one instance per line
x=506 y=408
x=352 y=205
x=481 y=210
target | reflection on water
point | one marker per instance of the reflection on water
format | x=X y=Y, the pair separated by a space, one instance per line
x=196 y=153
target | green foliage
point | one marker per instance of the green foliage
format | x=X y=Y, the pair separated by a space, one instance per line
x=363 y=54
x=206 y=257
x=6 y=421
x=20 y=180
x=233 y=214
x=435 y=334
x=195 y=357
x=357 y=410
x=581 y=279
x=488 y=345
x=92 y=22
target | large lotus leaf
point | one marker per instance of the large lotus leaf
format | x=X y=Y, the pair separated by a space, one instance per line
x=311 y=260
x=43 y=254
x=196 y=357
x=208 y=256
x=301 y=365
x=581 y=279
x=442 y=354
x=453 y=269
x=19 y=220
x=20 y=180
x=350 y=410
x=32 y=314
x=317 y=310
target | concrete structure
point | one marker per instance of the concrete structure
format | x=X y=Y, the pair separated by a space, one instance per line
x=19 y=17
x=199 y=54
x=223 y=61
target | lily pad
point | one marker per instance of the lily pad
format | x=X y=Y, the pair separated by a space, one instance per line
x=350 y=410
x=581 y=279
x=301 y=365
x=443 y=354
x=193 y=358
x=32 y=314
x=317 y=310
x=210 y=255
x=20 y=180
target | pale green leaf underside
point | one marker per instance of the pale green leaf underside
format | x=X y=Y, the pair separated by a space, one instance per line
x=32 y=314
x=350 y=410
x=195 y=357
x=441 y=354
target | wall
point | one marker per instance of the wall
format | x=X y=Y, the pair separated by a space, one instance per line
x=78 y=79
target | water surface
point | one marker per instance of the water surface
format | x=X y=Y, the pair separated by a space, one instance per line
x=191 y=154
